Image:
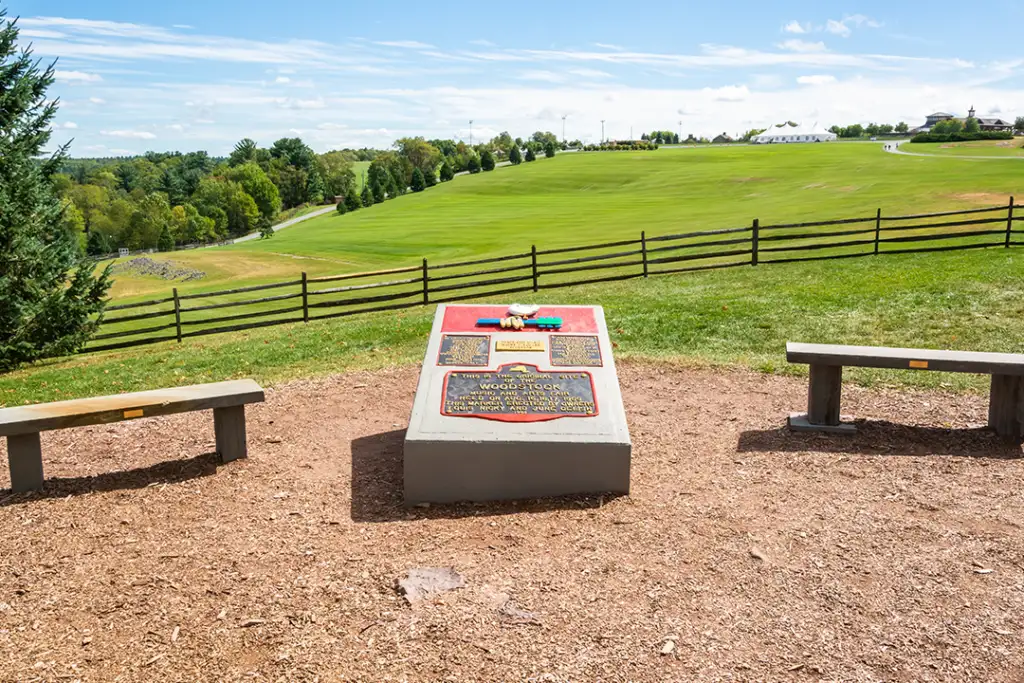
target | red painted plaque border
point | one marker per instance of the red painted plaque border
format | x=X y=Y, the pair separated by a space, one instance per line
x=498 y=417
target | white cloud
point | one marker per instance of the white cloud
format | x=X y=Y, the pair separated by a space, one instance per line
x=282 y=79
x=132 y=134
x=817 y=79
x=39 y=33
x=728 y=93
x=331 y=126
x=67 y=125
x=318 y=103
x=590 y=73
x=798 y=45
x=482 y=43
x=540 y=75
x=184 y=26
x=97 y=100
x=76 y=77
x=176 y=127
x=610 y=46
x=838 y=28
x=795 y=27
x=407 y=44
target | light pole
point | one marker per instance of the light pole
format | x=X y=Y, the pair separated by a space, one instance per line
x=471 y=132
x=602 y=130
x=563 y=128
x=680 y=130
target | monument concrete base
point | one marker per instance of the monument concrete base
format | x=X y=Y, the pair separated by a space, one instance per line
x=516 y=413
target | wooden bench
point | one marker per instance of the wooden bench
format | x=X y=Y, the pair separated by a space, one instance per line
x=22 y=425
x=1006 y=398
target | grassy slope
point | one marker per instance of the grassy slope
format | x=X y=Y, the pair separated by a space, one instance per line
x=965 y=300
x=581 y=198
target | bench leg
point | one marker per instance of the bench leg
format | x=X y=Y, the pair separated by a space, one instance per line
x=824 y=394
x=1004 y=405
x=823 y=402
x=229 y=428
x=25 y=457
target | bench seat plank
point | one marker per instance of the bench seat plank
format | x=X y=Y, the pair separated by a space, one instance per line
x=906 y=359
x=106 y=409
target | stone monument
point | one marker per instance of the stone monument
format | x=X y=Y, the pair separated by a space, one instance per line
x=516 y=402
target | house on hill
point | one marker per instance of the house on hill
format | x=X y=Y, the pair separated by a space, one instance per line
x=721 y=139
x=984 y=123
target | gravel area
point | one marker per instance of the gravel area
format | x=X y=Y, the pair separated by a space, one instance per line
x=165 y=270
x=744 y=552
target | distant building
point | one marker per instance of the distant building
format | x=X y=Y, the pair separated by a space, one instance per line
x=721 y=139
x=985 y=123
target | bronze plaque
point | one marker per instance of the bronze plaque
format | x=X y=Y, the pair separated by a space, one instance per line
x=575 y=350
x=471 y=350
x=518 y=392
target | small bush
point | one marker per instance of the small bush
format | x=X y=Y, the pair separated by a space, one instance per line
x=341 y=208
x=352 y=202
x=447 y=172
x=473 y=165
x=515 y=157
x=530 y=156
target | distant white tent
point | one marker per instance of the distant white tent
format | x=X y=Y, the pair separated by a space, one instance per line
x=788 y=134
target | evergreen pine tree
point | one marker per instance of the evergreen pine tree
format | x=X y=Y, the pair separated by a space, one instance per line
x=341 y=208
x=549 y=149
x=97 y=244
x=378 y=191
x=447 y=173
x=431 y=177
x=367 y=196
x=418 y=183
x=487 y=160
x=515 y=157
x=352 y=202
x=530 y=156
x=473 y=165
x=49 y=292
x=165 y=242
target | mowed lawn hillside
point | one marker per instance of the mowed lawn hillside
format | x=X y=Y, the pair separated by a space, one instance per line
x=581 y=198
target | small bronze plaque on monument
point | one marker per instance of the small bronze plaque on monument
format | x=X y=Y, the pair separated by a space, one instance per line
x=575 y=350
x=465 y=349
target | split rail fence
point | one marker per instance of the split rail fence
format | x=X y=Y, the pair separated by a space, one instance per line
x=304 y=299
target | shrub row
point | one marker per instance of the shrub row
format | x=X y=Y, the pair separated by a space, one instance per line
x=963 y=137
x=621 y=146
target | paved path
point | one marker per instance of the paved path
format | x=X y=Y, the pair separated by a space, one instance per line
x=894 y=148
x=288 y=223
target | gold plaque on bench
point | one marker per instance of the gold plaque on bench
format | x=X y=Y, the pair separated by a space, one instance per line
x=919 y=364
x=520 y=345
x=129 y=414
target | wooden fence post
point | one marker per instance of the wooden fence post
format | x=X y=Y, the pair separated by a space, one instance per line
x=643 y=249
x=878 y=229
x=1009 y=221
x=305 y=300
x=177 y=314
x=754 y=236
x=426 y=290
x=533 y=257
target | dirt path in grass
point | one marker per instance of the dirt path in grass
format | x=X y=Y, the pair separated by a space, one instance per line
x=744 y=552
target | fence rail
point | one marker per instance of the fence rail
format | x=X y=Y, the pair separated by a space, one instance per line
x=206 y=313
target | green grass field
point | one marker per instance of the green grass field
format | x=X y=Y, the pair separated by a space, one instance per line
x=583 y=198
x=992 y=148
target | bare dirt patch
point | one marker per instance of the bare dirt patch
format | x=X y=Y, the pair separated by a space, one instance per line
x=744 y=553
x=986 y=198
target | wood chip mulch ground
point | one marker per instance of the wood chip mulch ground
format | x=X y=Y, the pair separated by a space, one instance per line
x=745 y=552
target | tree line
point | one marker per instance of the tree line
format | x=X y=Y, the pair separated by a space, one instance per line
x=164 y=199
x=416 y=164
x=857 y=130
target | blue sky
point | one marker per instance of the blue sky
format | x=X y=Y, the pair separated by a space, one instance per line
x=187 y=75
